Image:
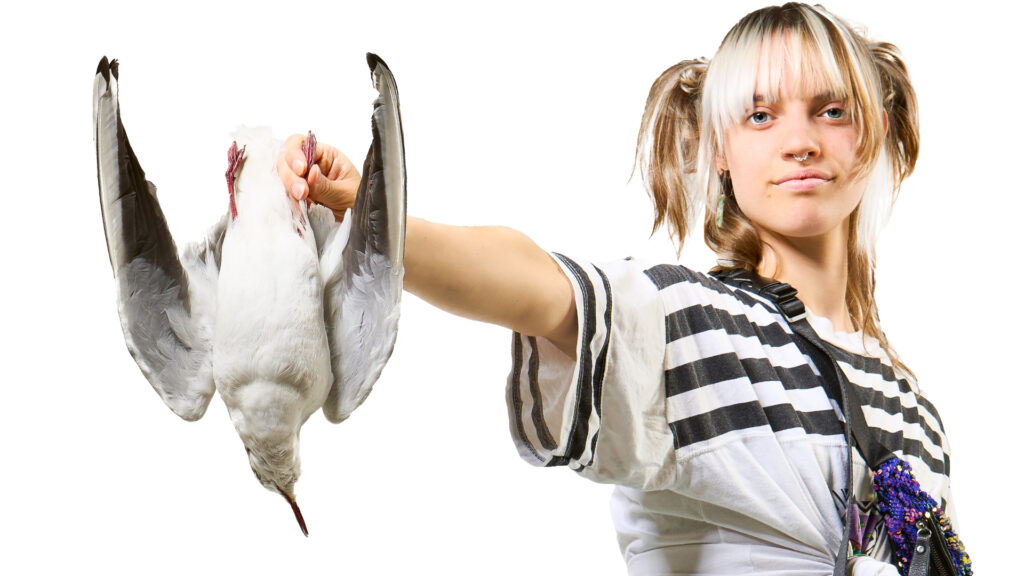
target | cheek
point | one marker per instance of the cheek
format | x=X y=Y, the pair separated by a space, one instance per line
x=853 y=194
x=751 y=195
x=750 y=174
x=841 y=146
x=761 y=207
x=749 y=164
x=846 y=154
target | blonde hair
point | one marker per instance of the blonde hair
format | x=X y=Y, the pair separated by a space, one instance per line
x=693 y=103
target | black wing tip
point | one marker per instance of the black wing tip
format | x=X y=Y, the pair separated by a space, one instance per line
x=372 y=60
x=107 y=67
x=381 y=75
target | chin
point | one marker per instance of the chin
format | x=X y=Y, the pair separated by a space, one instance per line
x=807 y=225
x=809 y=230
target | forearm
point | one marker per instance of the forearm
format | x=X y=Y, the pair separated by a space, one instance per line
x=491 y=274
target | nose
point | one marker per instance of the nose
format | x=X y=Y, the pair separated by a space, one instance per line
x=799 y=140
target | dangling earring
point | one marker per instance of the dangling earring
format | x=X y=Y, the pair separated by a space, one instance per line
x=726 y=182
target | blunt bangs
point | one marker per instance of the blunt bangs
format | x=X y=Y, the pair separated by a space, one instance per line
x=762 y=70
x=762 y=51
x=756 y=59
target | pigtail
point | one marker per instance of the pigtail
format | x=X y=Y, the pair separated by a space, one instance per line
x=900 y=102
x=667 y=145
x=902 y=143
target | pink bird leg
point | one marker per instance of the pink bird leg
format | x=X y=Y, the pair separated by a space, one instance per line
x=235 y=157
x=309 y=149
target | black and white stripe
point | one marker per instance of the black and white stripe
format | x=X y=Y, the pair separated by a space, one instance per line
x=723 y=344
x=574 y=441
x=733 y=368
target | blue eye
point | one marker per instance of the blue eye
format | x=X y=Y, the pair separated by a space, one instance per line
x=759 y=117
x=835 y=113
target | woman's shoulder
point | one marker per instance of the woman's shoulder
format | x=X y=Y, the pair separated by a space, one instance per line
x=672 y=277
x=683 y=288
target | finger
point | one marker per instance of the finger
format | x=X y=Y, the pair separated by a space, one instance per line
x=338 y=195
x=335 y=170
x=295 y=205
x=332 y=162
x=293 y=152
x=293 y=183
x=324 y=153
x=313 y=176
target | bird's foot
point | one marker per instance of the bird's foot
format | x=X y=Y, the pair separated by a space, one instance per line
x=309 y=149
x=235 y=157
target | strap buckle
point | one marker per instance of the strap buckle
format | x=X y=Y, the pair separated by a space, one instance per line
x=782 y=295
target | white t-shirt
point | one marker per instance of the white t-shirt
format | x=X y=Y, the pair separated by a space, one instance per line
x=694 y=399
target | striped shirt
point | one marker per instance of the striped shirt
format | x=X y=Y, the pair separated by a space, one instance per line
x=699 y=402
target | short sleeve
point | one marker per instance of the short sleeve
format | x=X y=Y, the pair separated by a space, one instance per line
x=602 y=415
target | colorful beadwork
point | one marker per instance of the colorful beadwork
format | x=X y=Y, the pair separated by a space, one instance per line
x=903 y=502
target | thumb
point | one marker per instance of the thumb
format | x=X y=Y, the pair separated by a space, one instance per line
x=338 y=195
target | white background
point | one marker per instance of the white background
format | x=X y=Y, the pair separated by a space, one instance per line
x=523 y=115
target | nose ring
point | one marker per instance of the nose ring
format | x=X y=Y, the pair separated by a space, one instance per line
x=801 y=158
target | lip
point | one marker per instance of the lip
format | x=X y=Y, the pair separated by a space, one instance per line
x=806 y=179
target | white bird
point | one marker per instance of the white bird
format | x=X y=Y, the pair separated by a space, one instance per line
x=279 y=308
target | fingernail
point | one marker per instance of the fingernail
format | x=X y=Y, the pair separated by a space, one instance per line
x=297 y=190
x=298 y=165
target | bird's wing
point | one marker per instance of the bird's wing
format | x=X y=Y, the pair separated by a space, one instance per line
x=362 y=296
x=166 y=308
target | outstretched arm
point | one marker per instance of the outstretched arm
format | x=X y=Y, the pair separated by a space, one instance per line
x=492 y=274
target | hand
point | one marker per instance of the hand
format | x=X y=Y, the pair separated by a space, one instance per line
x=332 y=180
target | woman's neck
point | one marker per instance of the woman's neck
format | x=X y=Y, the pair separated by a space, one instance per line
x=816 y=267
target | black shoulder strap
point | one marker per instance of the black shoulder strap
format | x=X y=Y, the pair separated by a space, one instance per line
x=783 y=296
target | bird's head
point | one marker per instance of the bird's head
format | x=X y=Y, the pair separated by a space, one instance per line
x=278 y=469
x=271 y=441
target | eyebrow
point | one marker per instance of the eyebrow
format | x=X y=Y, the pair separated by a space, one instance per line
x=817 y=98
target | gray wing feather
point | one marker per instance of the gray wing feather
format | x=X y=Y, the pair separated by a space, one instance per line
x=363 y=295
x=166 y=308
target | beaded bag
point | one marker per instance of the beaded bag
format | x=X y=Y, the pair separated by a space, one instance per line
x=923 y=540
x=922 y=536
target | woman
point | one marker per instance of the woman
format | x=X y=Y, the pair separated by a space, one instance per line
x=692 y=396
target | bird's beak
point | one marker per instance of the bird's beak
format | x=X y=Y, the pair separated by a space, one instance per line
x=295 y=509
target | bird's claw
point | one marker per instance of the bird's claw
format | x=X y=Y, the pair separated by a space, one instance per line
x=309 y=149
x=235 y=158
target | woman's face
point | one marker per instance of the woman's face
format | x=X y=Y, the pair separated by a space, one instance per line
x=781 y=195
